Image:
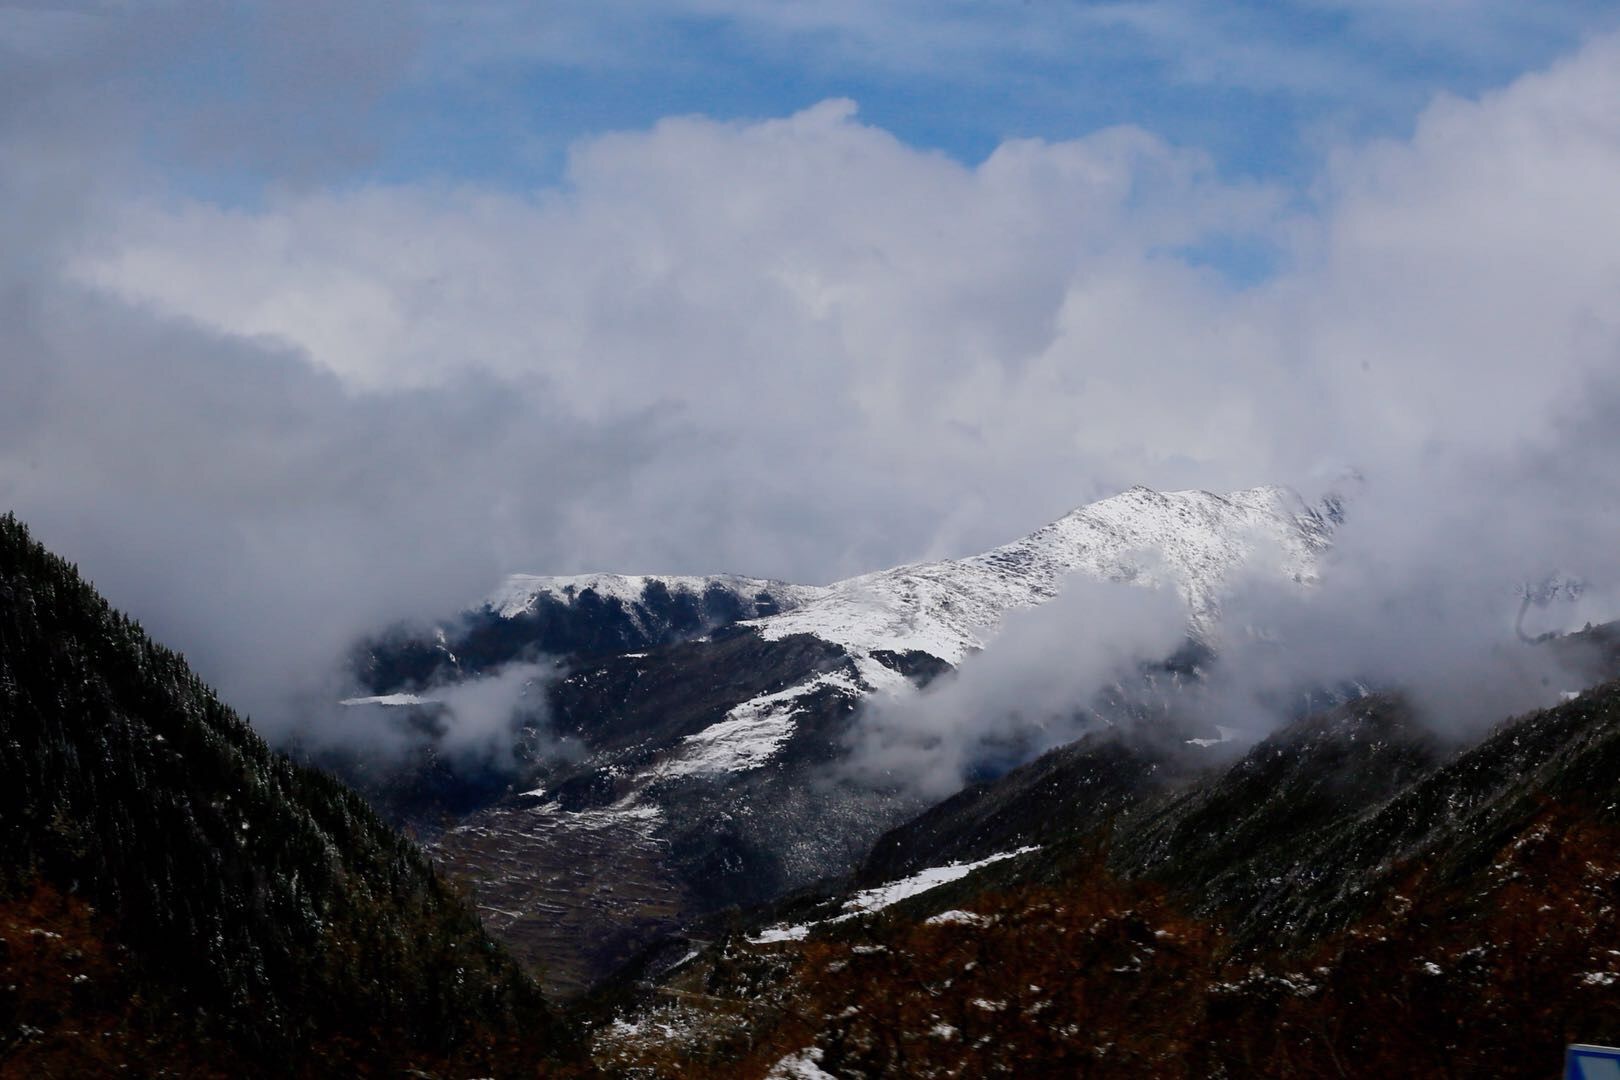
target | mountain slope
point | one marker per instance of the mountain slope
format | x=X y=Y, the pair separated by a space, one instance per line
x=1256 y=835
x=261 y=914
x=1063 y=794
x=1351 y=897
x=701 y=717
x=1192 y=540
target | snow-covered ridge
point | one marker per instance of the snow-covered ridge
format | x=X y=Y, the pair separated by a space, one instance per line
x=519 y=593
x=1194 y=540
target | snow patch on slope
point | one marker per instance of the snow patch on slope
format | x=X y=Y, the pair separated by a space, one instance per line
x=1224 y=735
x=957 y=917
x=388 y=700
x=870 y=901
x=805 y=1065
x=750 y=734
x=878 y=677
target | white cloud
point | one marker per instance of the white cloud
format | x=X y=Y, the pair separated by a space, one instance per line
x=1031 y=689
x=796 y=347
x=844 y=326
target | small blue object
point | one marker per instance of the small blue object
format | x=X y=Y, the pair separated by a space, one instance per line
x=1591 y=1063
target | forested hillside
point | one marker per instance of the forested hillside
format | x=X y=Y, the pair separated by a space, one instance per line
x=177 y=898
x=1351 y=897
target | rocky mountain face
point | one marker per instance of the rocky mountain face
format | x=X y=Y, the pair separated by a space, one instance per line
x=679 y=761
x=1349 y=896
x=178 y=899
x=1353 y=894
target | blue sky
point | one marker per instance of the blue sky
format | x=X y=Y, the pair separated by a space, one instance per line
x=496 y=92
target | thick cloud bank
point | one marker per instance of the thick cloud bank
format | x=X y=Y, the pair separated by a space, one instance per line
x=797 y=348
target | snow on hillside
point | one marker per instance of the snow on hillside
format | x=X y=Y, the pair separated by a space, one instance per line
x=388 y=700
x=871 y=901
x=868 y=901
x=1195 y=539
x=519 y=593
x=948 y=608
x=749 y=735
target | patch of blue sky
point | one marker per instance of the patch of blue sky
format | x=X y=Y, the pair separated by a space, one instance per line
x=1242 y=259
x=1262 y=87
x=495 y=91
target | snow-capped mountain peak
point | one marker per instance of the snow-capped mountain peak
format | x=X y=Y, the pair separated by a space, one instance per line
x=948 y=608
x=701 y=713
